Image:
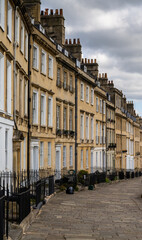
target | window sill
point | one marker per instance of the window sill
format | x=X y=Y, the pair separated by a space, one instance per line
x=51 y=78
x=9 y=39
x=26 y=59
x=44 y=74
x=82 y=100
x=1 y=28
x=43 y=126
x=35 y=124
x=51 y=127
x=21 y=52
x=35 y=69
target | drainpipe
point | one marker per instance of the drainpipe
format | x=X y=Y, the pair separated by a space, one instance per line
x=29 y=101
x=14 y=73
x=106 y=138
x=76 y=125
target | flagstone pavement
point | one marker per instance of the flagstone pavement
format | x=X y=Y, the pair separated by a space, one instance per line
x=110 y=211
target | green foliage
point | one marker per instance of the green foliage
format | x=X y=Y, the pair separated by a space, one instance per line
x=80 y=176
x=62 y=187
x=76 y=188
x=107 y=180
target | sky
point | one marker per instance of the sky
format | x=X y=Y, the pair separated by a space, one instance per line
x=111 y=32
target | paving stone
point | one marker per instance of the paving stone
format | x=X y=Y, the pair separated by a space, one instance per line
x=110 y=211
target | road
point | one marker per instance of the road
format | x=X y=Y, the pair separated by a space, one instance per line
x=110 y=211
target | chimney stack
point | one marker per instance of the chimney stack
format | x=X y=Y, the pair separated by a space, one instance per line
x=33 y=9
x=53 y=23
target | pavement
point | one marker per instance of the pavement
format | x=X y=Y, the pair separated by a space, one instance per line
x=110 y=211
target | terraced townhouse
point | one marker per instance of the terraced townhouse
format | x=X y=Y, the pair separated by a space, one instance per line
x=14 y=31
x=57 y=112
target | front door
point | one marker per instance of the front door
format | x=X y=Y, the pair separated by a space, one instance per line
x=92 y=170
x=35 y=158
x=58 y=163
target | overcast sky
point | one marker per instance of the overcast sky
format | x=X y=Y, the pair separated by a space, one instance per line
x=111 y=32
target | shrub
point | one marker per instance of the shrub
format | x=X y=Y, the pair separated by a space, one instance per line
x=80 y=176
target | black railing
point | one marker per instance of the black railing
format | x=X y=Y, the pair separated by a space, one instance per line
x=2 y=214
x=20 y=195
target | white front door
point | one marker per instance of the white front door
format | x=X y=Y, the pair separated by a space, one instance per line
x=58 y=162
x=35 y=158
x=92 y=166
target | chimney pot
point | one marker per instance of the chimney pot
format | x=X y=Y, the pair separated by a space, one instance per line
x=111 y=81
x=78 y=40
x=91 y=60
x=46 y=11
x=61 y=12
x=99 y=75
x=66 y=41
x=85 y=60
x=105 y=75
x=74 y=41
x=70 y=42
x=88 y=60
x=82 y=60
x=56 y=12
x=51 y=11
x=102 y=75
x=94 y=60
x=42 y=13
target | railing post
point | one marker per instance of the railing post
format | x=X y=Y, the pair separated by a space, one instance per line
x=7 y=211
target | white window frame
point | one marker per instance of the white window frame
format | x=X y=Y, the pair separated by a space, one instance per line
x=1 y=82
x=17 y=23
x=6 y=149
x=35 y=56
x=82 y=91
x=92 y=96
x=9 y=21
x=65 y=79
x=35 y=117
x=49 y=153
x=71 y=83
x=104 y=134
x=82 y=126
x=100 y=133
x=58 y=76
x=104 y=107
x=43 y=62
x=41 y=154
x=92 y=128
x=43 y=110
x=71 y=155
x=26 y=45
x=81 y=158
x=58 y=116
x=22 y=37
x=97 y=104
x=65 y=118
x=87 y=127
x=71 y=119
x=9 y=94
x=87 y=158
x=87 y=94
x=97 y=138
x=25 y=145
x=50 y=111
x=50 y=66
x=100 y=105
x=64 y=156
x=96 y=160
x=26 y=99
x=2 y=14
